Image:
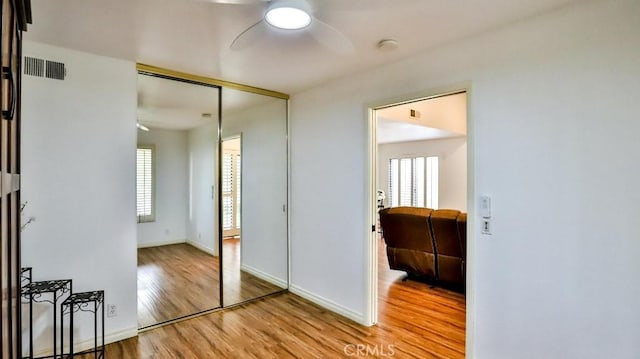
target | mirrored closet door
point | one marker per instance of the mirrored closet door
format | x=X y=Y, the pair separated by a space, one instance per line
x=178 y=250
x=212 y=184
x=253 y=196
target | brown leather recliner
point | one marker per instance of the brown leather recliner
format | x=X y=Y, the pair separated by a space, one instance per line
x=462 y=234
x=449 y=247
x=407 y=234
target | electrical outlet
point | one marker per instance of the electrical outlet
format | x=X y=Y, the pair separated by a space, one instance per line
x=112 y=310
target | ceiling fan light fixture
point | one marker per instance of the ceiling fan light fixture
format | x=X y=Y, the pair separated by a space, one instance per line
x=287 y=18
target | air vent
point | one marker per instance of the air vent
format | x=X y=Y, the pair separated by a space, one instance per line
x=56 y=70
x=33 y=66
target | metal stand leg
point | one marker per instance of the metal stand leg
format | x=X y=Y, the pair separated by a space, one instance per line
x=95 y=329
x=71 y=331
x=55 y=327
x=102 y=304
x=31 y=326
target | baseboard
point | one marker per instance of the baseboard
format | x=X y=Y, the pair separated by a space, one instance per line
x=205 y=249
x=88 y=344
x=264 y=276
x=328 y=304
x=161 y=243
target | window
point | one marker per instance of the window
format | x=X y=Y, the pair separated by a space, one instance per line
x=227 y=190
x=413 y=181
x=238 y=189
x=145 y=183
x=231 y=193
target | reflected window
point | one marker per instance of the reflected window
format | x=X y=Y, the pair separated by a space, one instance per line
x=230 y=192
x=145 y=182
x=238 y=203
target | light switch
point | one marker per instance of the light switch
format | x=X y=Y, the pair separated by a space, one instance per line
x=485 y=206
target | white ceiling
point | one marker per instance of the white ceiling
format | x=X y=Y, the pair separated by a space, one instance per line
x=390 y=131
x=194 y=35
x=176 y=105
x=440 y=117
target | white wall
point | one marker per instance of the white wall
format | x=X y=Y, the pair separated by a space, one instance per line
x=78 y=176
x=172 y=188
x=452 y=180
x=202 y=218
x=554 y=138
x=264 y=188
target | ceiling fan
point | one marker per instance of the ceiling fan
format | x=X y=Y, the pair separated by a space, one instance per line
x=288 y=17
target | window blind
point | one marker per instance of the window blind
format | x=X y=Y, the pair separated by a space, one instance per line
x=238 y=203
x=227 y=189
x=413 y=181
x=230 y=191
x=145 y=184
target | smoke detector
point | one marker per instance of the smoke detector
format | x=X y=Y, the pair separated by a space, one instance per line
x=387 y=44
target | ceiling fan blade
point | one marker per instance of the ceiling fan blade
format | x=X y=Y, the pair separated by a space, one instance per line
x=249 y=36
x=237 y=2
x=331 y=38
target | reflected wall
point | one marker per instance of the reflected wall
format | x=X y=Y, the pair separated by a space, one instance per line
x=178 y=258
x=255 y=262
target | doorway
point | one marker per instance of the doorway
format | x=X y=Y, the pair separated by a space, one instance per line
x=419 y=166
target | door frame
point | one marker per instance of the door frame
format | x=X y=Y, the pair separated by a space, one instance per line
x=370 y=242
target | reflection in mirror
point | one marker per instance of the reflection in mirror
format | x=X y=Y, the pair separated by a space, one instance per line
x=253 y=195
x=178 y=267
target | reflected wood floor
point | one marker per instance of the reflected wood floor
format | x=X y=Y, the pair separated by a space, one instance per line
x=240 y=286
x=417 y=321
x=174 y=281
x=179 y=279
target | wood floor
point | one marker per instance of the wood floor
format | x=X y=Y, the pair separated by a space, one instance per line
x=178 y=280
x=415 y=321
x=240 y=286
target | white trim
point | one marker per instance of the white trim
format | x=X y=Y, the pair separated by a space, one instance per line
x=328 y=304
x=203 y=248
x=161 y=243
x=88 y=344
x=289 y=195
x=370 y=244
x=471 y=232
x=264 y=276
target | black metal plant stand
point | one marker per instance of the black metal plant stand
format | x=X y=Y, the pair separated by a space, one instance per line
x=85 y=302
x=37 y=292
